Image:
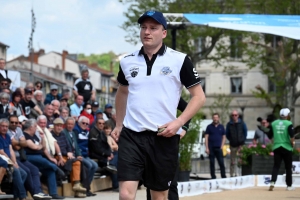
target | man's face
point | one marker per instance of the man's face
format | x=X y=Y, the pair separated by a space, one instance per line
x=13 y=123
x=234 y=116
x=55 y=105
x=264 y=123
x=49 y=110
x=3 y=128
x=99 y=115
x=85 y=75
x=39 y=97
x=100 y=124
x=4 y=101
x=2 y=64
x=70 y=125
x=79 y=100
x=58 y=128
x=64 y=114
x=54 y=92
x=64 y=104
x=152 y=33
x=28 y=96
x=108 y=110
x=84 y=124
x=4 y=84
x=42 y=123
x=216 y=119
x=95 y=108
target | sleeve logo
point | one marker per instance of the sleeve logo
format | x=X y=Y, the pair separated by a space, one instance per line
x=196 y=73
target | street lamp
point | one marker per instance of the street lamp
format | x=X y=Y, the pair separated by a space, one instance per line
x=242 y=104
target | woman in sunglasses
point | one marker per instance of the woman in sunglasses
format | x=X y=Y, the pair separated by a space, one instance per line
x=38 y=85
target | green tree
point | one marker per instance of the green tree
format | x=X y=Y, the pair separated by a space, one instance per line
x=221 y=105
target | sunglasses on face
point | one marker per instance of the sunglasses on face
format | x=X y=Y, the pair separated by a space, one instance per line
x=3 y=83
x=100 y=123
x=84 y=123
x=54 y=90
x=234 y=115
x=13 y=122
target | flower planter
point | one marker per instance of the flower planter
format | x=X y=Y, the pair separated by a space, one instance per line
x=262 y=165
x=184 y=176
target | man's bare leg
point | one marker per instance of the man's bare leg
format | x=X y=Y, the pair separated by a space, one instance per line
x=128 y=190
x=159 y=195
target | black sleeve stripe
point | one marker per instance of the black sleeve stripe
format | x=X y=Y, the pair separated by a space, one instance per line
x=193 y=85
x=122 y=84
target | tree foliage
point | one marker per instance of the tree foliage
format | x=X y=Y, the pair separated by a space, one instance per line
x=221 y=106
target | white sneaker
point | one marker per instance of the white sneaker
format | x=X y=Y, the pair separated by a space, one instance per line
x=290 y=188
x=271 y=186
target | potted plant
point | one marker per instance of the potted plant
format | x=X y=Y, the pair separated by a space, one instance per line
x=186 y=145
x=258 y=159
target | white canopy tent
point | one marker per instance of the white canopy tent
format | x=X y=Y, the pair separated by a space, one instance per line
x=282 y=25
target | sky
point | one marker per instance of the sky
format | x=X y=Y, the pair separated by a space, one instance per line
x=78 y=26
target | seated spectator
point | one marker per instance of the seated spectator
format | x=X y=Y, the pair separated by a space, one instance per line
x=67 y=156
x=15 y=103
x=35 y=150
x=20 y=89
x=5 y=109
x=95 y=107
x=64 y=102
x=27 y=104
x=3 y=166
x=56 y=105
x=3 y=83
x=107 y=111
x=32 y=182
x=19 y=175
x=89 y=164
x=112 y=143
x=66 y=94
x=52 y=95
x=49 y=113
x=82 y=135
x=87 y=110
x=22 y=119
x=38 y=99
x=99 y=149
x=38 y=85
x=64 y=113
x=76 y=107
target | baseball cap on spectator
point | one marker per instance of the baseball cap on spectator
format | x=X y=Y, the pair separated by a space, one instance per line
x=157 y=16
x=95 y=104
x=284 y=112
x=53 y=87
x=58 y=121
x=28 y=91
x=99 y=111
x=22 y=118
x=63 y=99
x=108 y=106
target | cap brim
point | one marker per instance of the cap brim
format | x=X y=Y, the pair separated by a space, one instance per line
x=142 y=18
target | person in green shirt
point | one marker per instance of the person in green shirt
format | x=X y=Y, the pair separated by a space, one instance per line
x=282 y=132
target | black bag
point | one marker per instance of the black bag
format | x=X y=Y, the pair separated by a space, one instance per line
x=23 y=156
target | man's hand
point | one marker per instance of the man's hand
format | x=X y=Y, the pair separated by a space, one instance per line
x=116 y=133
x=110 y=157
x=182 y=134
x=16 y=165
x=207 y=151
x=170 y=129
x=53 y=160
x=79 y=158
x=60 y=161
x=70 y=155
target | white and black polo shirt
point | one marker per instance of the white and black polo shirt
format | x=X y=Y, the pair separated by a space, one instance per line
x=154 y=86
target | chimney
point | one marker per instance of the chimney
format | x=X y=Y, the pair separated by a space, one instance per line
x=41 y=52
x=63 y=59
x=33 y=56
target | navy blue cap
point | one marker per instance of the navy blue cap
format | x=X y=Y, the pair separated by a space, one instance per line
x=108 y=106
x=157 y=16
x=99 y=111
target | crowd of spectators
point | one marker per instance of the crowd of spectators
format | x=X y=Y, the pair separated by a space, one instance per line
x=46 y=140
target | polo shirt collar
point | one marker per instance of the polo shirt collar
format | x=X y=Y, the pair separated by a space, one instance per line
x=160 y=52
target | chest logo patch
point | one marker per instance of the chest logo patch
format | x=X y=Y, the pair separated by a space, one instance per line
x=165 y=71
x=134 y=71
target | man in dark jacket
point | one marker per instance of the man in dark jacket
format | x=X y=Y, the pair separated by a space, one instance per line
x=52 y=95
x=236 y=133
x=99 y=149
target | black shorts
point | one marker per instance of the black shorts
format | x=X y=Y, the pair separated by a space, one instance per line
x=148 y=157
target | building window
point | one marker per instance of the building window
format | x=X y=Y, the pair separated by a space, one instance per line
x=235 y=47
x=271 y=86
x=203 y=83
x=200 y=45
x=236 y=85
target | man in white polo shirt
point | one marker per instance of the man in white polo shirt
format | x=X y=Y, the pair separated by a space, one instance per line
x=151 y=82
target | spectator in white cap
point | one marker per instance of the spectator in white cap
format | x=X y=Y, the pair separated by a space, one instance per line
x=282 y=132
x=52 y=95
